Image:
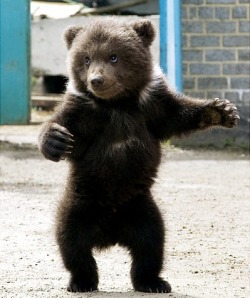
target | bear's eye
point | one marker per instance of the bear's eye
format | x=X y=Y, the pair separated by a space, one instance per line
x=87 y=60
x=113 y=59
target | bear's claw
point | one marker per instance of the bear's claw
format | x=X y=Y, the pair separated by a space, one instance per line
x=228 y=111
x=58 y=143
x=157 y=286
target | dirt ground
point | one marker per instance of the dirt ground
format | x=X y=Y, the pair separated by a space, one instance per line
x=204 y=199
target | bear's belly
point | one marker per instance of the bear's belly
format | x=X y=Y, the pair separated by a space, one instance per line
x=127 y=160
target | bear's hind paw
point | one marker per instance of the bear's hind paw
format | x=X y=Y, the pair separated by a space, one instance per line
x=82 y=286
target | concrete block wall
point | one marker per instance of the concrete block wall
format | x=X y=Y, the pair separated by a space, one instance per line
x=216 y=55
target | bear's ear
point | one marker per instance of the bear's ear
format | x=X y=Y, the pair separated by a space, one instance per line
x=145 y=31
x=70 y=33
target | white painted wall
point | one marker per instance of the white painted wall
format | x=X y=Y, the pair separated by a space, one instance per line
x=48 y=49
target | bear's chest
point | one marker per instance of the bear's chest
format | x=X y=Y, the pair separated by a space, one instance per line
x=121 y=133
x=112 y=135
x=113 y=127
x=116 y=144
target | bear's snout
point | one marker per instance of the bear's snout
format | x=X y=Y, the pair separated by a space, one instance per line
x=97 y=81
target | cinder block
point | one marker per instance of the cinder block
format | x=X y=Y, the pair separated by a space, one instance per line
x=244 y=26
x=193 y=12
x=240 y=12
x=206 y=12
x=246 y=97
x=232 y=96
x=222 y=13
x=220 y=55
x=221 y=1
x=188 y=83
x=184 y=41
x=244 y=55
x=221 y=27
x=192 y=27
x=236 y=68
x=195 y=2
x=204 y=69
x=236 y=41
x=192 y=55
x=212 y=83
x=184 y=68
x=205 y=41
x=184 y=14
x=240 y=83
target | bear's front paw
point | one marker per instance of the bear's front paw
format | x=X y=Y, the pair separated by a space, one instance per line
x=224 y=113
x=154 y=286
x=219 y=112
x=56 y=142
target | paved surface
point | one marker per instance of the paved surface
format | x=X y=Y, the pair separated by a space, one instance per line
x=204 y=198
x=25 y=135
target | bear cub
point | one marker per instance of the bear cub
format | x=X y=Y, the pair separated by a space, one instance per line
x=117 y=109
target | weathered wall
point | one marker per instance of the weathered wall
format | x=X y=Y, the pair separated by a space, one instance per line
x=216 y=56
x=49 y=51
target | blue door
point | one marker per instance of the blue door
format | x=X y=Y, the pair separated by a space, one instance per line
x=15 y=61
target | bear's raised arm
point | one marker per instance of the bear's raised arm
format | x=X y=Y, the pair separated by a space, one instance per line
x=171 y=114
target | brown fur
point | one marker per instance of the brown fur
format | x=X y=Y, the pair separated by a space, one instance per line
x=115 y=112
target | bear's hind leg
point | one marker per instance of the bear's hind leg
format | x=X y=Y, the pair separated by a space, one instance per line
x=144 y=237
x=147 y=263
x=84 y=279
x=76 y=251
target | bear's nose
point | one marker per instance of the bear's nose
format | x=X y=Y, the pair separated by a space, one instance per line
x=97 y=81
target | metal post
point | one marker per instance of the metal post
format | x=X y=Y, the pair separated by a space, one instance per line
x=170 y=41
x=163 y=35
x=15 y=61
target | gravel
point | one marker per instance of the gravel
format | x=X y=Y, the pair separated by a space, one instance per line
x=204 y=199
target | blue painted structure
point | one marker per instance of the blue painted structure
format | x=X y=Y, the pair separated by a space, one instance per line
x=170 y=41
x=14 y=61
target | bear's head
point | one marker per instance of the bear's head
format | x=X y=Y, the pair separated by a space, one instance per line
x=110 y=58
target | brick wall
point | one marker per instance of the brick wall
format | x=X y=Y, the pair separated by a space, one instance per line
x=216 y=56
